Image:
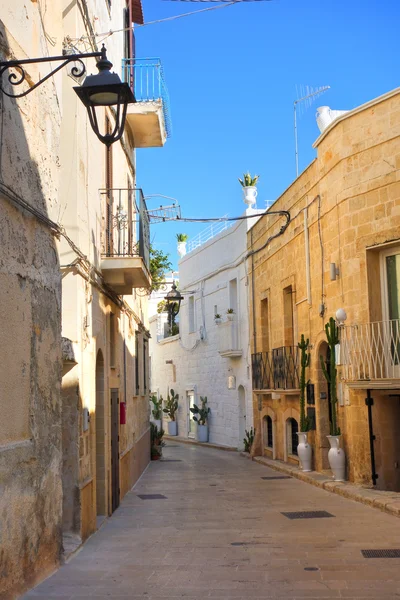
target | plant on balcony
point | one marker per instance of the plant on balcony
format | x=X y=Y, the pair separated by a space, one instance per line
x=201 y=418
x=248 y=184
x=170 y=409
x=182 y=237
x=336 y=454
x=249 y=439
x=157 y=409
x=304 y=450
x=157 y=443
x=217 y=318
x=248 y=180
x=230 y=313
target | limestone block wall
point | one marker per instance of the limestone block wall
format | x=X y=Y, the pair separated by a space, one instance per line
x=30 y=310
x=351 y=198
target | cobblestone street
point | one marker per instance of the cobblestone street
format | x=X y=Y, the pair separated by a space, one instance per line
x=220 y=533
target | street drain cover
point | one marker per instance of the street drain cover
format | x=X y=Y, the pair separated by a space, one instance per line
x=388 y=553
x=152 y=497
x=311 y=568
x=307 y=514
x=277 y=477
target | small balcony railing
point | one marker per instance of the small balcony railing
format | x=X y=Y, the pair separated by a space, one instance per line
x=126 y=228
x=276 y=370
x=146 y=79
x=370 y=351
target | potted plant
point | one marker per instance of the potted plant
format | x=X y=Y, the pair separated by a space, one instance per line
x=201 y=417
x=156 y=410
x=336 y=455
x=248 y=184
x=249 y=439
x=171 y=408
x=230 y=313
x=304 y=450
x=217 y=318
x=157 y=443
x=181 y=239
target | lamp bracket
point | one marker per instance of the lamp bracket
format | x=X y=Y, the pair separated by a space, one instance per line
x=18 y=65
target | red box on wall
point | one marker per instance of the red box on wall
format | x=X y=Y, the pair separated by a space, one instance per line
x=122 y=413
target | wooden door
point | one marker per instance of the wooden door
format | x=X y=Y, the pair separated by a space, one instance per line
x=114 y=449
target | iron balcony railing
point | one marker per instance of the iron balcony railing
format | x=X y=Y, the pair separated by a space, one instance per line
x=276 y=370
x=370 y=351
x=146 y=80
x=126 y=229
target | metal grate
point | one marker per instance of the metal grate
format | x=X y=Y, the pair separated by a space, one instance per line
x=152 y=497
x=307 y=514
x=388 y=553
x=277 y=477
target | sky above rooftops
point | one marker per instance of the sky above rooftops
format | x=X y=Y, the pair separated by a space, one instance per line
x=233 y=75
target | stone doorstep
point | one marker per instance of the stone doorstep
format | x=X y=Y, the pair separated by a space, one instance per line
x=176 y=438
x=388 y=502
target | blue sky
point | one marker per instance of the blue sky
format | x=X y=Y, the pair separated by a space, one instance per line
x=232 y=75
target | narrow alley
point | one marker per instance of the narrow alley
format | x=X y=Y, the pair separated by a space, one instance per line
x=204 y=523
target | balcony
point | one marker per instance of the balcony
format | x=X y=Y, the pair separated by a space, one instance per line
x=125 y=240
x=370 y=354
x=276 y=370
x=228 y=345
x=149 y=118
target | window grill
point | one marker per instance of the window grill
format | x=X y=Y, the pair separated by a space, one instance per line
x=277 y=369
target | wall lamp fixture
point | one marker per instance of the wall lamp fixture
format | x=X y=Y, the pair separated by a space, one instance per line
x=103 y=89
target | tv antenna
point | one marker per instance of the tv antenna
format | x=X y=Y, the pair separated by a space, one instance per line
x=308 y=95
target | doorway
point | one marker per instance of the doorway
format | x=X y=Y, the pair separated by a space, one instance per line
x=114 y=449
x=191 y=424
x=101 y=496
x=242 y=416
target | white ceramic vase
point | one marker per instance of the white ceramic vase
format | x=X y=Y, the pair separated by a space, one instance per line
x=250 y=194
x=304 y=452
x=202 y=433
x=181 y=249
x=218 y=320
x=337 y=458
x=172 y=428
x=230 y=316
x=157 y=423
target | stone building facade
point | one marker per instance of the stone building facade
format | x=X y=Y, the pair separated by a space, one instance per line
x=340 y=250
x=208 y=358
x=75 y=278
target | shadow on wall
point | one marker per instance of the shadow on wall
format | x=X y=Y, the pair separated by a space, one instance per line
x=30 y=352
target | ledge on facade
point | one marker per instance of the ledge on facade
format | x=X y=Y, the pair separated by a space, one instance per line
x=388 y=502
x=373 y=384
x=231 y=353
x=288 y=392
x=123 y=273
x=170 y=338
x=147 y=124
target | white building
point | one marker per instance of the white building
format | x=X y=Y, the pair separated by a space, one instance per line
x=206 y=358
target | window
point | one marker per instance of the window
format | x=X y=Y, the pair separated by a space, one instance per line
x=145 y=349
x=137 y=384
x=112 y=340
x=264 y=326
x=288 y=317
x=292 y=428
x=233 y=302
x=192 y=326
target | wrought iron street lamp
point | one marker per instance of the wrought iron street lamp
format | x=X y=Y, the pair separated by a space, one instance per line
x=103 y=89
x=173 y=299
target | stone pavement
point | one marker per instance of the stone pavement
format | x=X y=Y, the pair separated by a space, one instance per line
x=220 y=534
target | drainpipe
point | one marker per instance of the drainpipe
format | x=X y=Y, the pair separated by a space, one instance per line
x=369 y=401
x=307 y=249
x=253 y=302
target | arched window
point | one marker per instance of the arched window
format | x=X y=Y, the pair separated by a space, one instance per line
x=292 y=428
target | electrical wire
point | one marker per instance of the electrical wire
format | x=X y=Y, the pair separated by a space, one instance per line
x=107 y=34
x=224 y=219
